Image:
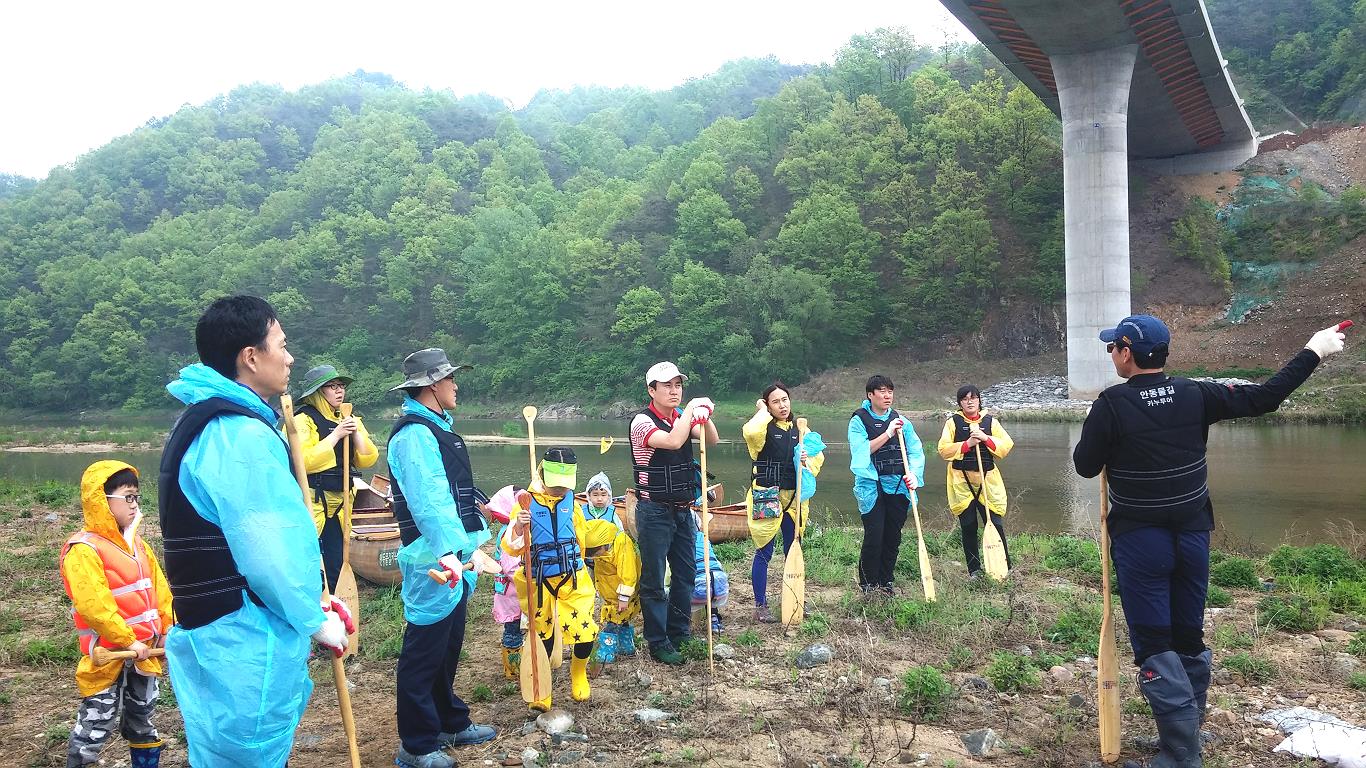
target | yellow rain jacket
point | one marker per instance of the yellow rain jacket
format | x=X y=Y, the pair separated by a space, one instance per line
x=319 y=457
x=92 y=597
x=616 y=572
x=572 y=599
x=960 y=493
x=755 y=432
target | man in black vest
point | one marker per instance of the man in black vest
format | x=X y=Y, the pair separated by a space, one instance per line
x=1148 y=434
x=439 y=513
x=667 y=482
x=241 y=550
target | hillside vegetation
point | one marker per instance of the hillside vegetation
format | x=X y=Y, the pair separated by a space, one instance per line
x=764 y=221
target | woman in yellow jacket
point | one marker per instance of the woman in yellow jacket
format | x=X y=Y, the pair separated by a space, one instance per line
x=120 y=600
x=772 y=439
x=324 y=431
x=965 y=432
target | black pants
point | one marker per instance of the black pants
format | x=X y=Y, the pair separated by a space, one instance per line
x=881 y=540
x=967 y=524
x=330 y=541
x=427 y=704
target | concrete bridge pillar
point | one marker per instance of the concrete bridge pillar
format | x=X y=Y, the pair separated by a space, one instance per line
x=1093 y=95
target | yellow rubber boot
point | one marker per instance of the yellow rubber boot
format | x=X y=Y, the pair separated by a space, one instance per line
x=578 y=677
x=512 y=660
x=542 y=705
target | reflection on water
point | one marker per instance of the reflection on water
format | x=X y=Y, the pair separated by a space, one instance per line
x=1268 y=481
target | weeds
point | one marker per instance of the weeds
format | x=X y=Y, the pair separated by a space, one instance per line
x=1254 y=669
x=924 y=694
x=1012 y=672
x=1235 y=573
x=1078 y=628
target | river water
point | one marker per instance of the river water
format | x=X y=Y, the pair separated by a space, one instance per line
x=1270 y=483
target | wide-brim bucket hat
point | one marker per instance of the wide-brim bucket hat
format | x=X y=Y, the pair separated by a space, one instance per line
x=428 y=366
x=319 y=375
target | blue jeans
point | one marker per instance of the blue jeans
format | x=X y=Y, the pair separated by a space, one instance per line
x=1163 y=578
x=758 y=572
x=665 y=532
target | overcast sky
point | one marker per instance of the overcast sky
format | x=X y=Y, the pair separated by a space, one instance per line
x=79 y=74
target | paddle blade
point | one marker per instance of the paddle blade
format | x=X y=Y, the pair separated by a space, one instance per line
x=346 y=591
x=535 y=669
x=1107 y=692
x=994 y=553
x=794 y=586
x=926 y=577
x=604 y=445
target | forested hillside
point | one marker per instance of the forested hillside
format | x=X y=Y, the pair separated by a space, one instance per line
x=1295 y=62
x=764 y=221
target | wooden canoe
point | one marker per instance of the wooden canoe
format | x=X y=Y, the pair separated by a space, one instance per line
x=374 y=539
x=729 y=522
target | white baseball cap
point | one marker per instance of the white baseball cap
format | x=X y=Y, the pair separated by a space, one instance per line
x=665 y=371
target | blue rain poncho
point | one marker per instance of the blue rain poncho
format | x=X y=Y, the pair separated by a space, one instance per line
x=866 y=479
x=813 y=444
x=242 y=681
x=415 y=462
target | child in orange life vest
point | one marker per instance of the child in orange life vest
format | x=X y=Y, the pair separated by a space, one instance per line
x=616 y=573
x=553 y=523
x=121 y=601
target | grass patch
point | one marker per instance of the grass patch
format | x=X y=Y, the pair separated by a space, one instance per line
x=1254 y=669
x=1011 y=672
x=1229 y=636
x=816 y=625
x=1291 y=612
x=732 y=552
x=1235 y=573
x=381 y=614
x=924 y=694
x=1357 y=645
x=1357 y=680
x=1078 y=628
x=47 y=652
x=1070 y=553
x=749 y=639
x=831 y=555
x=1218 y=597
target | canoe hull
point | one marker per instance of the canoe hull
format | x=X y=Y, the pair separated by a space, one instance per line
x=729 y=522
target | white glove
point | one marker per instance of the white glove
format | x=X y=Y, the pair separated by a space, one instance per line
x=332 y=633
x=452 y=564
x=1328 y=341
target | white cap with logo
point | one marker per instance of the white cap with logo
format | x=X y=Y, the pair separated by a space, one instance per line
x=665 y=371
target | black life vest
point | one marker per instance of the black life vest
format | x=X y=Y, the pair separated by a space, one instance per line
x=887 y=459
x=455 y=459
x=328 y=479
x=774 y=465
x=962 y=430
x=1157 y=470
x=554 y=544
x=671 y=474
x=206 y=584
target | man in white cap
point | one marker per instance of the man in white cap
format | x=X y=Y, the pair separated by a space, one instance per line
x=667 y=481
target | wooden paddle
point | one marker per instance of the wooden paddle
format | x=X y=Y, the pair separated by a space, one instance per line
x=296 y=456
x=345 y=587
x=993 y=549
x=794 y=565
x=1107 y=662
x=706 y=543
x=101 y=655
x=926 y=576
x=535 y=668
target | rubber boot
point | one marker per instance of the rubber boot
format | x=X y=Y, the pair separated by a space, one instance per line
x=1162 y=680
x=146 y=755
x=578 y=678
x=1198 y=672
x=542 y=705
x=626 y=639
x=512 y=662
x=605 y=652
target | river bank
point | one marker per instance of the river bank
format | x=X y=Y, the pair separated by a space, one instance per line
x=905 y=680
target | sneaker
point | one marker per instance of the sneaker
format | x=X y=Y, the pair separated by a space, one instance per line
x=763 y=615
x=665 y=653
x=473 y=734
x=437 y=759
x=717 y=627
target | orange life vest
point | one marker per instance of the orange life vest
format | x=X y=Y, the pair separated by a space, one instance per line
x=130 y=581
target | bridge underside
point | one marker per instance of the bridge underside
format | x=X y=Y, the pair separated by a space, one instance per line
x=1131 y=80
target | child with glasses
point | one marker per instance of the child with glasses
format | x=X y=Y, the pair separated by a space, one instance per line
x=120 y=601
